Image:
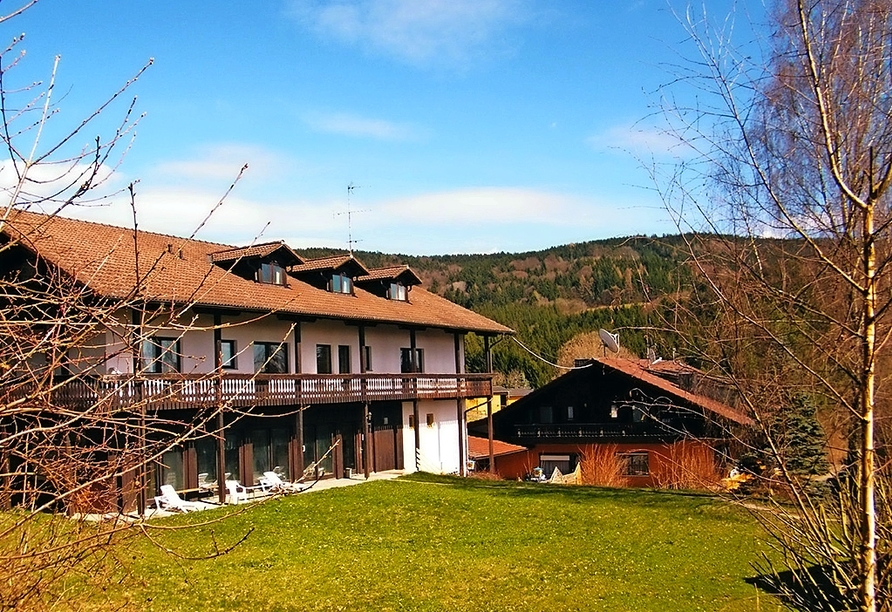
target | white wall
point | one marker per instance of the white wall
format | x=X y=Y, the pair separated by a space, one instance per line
x=197 y=344
x=334 y=334
x=439 y=442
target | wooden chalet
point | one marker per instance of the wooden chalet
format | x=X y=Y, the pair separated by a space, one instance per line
x=639 y=412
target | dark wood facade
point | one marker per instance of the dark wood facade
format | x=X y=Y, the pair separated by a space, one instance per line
x=610 y=404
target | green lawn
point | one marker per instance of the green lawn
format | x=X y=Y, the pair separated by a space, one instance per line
x=439 y=543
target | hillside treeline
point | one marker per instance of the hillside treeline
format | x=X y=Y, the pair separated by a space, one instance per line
x=552 y=296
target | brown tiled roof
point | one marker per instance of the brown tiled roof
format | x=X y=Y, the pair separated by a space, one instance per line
x=478 y=448
x=332 y=262
x=637 y=369
x=178 y=270
x=256 y=250
x=390 y=273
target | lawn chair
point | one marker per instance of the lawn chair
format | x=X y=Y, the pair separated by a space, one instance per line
x=171 y=500
x=205 y=485
x=275 y=484
x=237 y=492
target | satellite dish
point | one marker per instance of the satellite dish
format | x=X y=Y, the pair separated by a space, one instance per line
x=610 y=341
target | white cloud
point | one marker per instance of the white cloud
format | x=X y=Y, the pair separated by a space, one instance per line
x=504 y=205
x=416 y=32
x=221 y=163
x=638 y=141
x=363 y=127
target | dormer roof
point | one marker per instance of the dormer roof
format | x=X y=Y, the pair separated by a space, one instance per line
x=404 y=274
x=284 y=255
x=346 y=264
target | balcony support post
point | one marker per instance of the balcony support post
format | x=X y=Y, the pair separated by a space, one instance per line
x=218 y=403
x=460 y=407
x=492 y=458
x=366 y=442
x=142 y=498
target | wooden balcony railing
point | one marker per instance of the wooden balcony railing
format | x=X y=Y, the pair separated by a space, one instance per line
x=175 y=391
x=583 y=431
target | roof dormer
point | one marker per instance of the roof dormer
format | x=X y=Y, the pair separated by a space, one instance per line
x=264 y=263
x=334 y=274
x=393 y=283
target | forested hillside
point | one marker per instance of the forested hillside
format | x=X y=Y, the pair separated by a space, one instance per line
x=551 y=296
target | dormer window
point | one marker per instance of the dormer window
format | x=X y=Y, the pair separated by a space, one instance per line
x=341 y=283
x=398 y=292
x=271 y=273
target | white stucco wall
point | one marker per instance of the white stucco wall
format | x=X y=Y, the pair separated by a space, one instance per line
x=439 y=442
x=197 y=344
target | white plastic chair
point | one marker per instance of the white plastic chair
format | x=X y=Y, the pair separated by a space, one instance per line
x=171 y=500
x=275 y=484
x=238 y=492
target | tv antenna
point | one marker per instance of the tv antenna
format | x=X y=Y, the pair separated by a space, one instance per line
x=610 y=341
x=350 y=212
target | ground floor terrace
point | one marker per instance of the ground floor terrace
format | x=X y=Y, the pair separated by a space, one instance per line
x=303 y=427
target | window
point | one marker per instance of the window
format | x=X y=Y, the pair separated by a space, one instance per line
x=570 y=413
x=564 y=463
x=323 y=359
x=161 y=355
x=271 y=357
x=271 y=273
x=341 y=283
x=430 y=419
x=634 y=464
x=228 y=354
x=546 y=414
x=344 y=359
x=367 y=352
x=411 y=421
x=406 y=360
x=398 y=292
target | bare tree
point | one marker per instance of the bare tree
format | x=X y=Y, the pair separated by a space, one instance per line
x=784 y=195
x=67 y=447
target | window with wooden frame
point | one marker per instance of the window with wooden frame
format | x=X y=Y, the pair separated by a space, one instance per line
x=323 y=359
x=228 y=355
x=344 y=359
x=635 y=464
x=271 y=357
x=398 y=292
x=271 y=273
x=341 y=283
x=161 y=355
x=406 y=360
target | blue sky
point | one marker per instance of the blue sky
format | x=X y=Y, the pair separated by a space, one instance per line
x=466 y=125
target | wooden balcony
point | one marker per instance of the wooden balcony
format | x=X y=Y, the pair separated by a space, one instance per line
x=590 y=431
x=177 y=391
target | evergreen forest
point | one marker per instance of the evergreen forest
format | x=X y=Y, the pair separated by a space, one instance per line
x=557 y=298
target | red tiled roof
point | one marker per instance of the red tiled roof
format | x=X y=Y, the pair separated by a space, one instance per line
x=332 y=262
x=256 y=250
x=178 y=270
x=636 y=369
x=478 y=448
x=390 y=273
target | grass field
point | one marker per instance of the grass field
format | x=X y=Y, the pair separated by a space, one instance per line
x=439 y=543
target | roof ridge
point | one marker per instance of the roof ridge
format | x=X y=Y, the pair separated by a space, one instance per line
x=60 y=216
